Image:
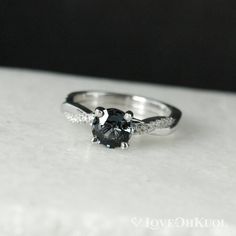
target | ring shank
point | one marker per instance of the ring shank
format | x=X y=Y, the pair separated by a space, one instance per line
x=146 y=110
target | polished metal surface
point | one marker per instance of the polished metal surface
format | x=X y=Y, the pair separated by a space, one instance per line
x=150 y=116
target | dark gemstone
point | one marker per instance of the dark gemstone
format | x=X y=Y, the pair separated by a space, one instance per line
x=112 y=129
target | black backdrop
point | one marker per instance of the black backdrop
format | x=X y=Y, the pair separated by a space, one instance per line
x=186 y=43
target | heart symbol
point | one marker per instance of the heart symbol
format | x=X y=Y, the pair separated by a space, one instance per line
x=136 y=221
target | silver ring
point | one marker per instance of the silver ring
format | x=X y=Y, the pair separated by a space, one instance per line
x=112 y=126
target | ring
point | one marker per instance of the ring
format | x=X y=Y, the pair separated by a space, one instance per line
x=113 y=127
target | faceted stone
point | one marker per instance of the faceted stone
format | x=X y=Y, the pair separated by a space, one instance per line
x=112 y=129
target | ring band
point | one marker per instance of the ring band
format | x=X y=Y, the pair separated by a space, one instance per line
x=113 y=127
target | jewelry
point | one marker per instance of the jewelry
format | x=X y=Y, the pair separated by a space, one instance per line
x=112 y=126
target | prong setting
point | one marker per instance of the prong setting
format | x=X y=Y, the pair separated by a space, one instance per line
x=124 y=145
x=128 y=116
x=99 y=112
x=95 y=140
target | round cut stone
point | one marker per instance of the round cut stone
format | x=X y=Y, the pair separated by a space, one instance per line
x=112 y=129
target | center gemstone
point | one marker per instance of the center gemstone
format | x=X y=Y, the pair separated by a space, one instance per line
x=112 y=129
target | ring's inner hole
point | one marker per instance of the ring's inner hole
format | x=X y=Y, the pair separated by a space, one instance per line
x=142 y=107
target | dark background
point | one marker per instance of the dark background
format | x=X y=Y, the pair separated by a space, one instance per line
x=186 y=43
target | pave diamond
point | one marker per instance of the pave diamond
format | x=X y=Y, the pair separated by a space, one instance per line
x=112 y=129
x=79 y=118
x=145 y=128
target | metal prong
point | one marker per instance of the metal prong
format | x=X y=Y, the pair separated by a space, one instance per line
x=124 y=145
x=99 y=112
x=95 y=140
x=128 y=116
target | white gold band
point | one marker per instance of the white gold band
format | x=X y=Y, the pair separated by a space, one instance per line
x=150 y=116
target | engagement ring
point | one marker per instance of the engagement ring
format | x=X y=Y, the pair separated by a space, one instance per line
x=115 y=118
